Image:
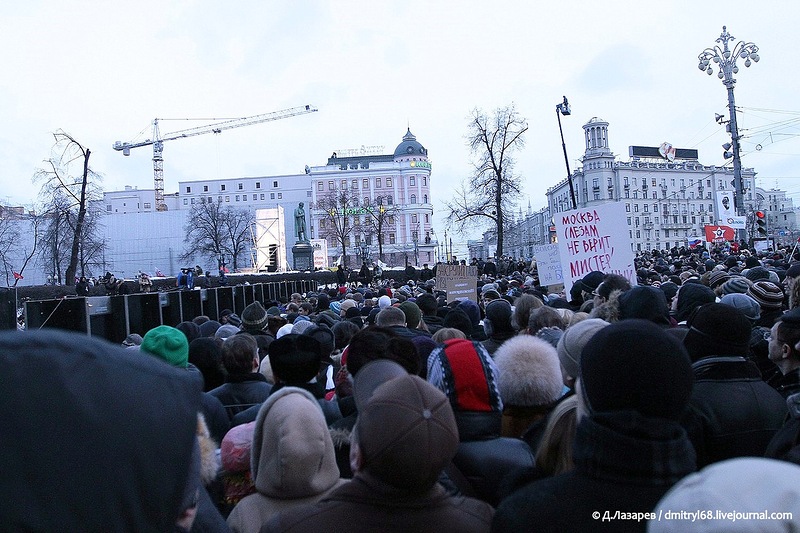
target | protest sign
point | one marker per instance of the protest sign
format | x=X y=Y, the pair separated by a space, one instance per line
x=548 y=264
x=460 y=282
x=595 y=238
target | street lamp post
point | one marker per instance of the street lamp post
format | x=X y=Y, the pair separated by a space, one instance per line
x=726 y=59
x=564 y=109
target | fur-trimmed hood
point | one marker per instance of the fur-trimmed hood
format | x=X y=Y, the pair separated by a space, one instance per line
x=209 y=465
x=608 y=310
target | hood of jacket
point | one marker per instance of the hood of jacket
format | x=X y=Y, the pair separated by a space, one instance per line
x=292 y=454
x=98 y=427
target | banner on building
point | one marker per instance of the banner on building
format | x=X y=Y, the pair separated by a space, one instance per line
x=459 y=282
x=717 y=234
x=548 y=264
x=595 y=238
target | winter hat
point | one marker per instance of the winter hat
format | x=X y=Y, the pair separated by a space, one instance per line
x=669 y=289
x=225 y=331
x=168 y=344
x=472 y=310
x=738 y=284
x=735 y=486
x=530 y=374
x=756 y=273
x=422 y=438
x=324 y=335
x=384 y=302
x=717 y=330
x=643 y=301
x=208 y=328
x=793 y=271
x=134 y=339
x=234 y=320
x=347 y=304
x=743 y=303
x=272 y=311
x=690 y=297
x=285 y=330
x=768 y=295
x=301 y=326
x=413 y=314
x=488 y=287
x=467 y=374
x=613 y=363
x=550 y=334
x=254 y=317
x=591 y=281
x=572 y=342
x=190 y=329
x=751 y=262
x=295 y=359
x=498 y=317
x=292 y=415
x=717 y=278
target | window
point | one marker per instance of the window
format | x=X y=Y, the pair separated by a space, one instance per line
x=108 y=208
x=412 y=181
x=237 y=197
x=222 y=187
x=330 y=186
x=366 y=200
x=227 y=198
x=255 y=197
x=185 y=201
x=262 y=195
x=192 y=201
x=354 y=184
x=219 y=198
x=209 y=200
x=274 y=183
x=390 y=220
x=388 y=182
x=389 y=200
x=205 y=188
x=628 y=208
x=272 y=196
x=424 y=198
x=413 y=198
x=241 y=186
x=344 y=184
x=654 y=182
x=188 y=189
x=391 y=238
x=146 y=206
x=427 y=218
x=258 y=185
x=366 y=183
x=378 y=183
x=280 y=195
x=424 y=181
x=320 y=186
x=414 y=219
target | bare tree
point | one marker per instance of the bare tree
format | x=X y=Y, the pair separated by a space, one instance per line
x=237 y=224
x=55 y=243
x=379 y=217
x=339 y=217
x=205 y=231
x=493 y=186
x=73 y=192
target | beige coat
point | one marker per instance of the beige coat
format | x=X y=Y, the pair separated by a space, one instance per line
x=292 y=459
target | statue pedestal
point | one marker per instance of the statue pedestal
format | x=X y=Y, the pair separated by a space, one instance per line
x=303 y=256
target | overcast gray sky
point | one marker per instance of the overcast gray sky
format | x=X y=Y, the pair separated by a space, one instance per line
x=103 y=70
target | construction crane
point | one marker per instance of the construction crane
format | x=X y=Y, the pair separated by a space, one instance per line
x=158 y=140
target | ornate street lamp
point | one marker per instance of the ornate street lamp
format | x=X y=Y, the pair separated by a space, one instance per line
x=726 y=58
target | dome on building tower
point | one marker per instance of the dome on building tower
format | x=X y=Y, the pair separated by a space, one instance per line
x=410 y=147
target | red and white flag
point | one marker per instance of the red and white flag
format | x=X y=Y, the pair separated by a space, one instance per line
x=720 y=233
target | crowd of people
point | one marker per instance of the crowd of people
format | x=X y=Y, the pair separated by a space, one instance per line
x=621 y=405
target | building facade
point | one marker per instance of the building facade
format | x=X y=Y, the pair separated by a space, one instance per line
x=398 y=184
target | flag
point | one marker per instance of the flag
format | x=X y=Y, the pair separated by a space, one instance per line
x=694 y=242
x=720 y=233
x=383 y=265
x=18 y=276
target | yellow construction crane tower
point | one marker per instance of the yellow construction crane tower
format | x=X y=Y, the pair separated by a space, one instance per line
x=158 y=140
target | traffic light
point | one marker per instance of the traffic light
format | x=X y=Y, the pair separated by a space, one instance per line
x=761 y=223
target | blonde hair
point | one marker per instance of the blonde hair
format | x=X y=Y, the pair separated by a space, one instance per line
x=554 y=455
x=445 y=334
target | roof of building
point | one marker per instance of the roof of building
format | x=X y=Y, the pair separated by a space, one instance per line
x=410 y=146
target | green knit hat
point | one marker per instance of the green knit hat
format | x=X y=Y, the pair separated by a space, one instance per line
x=168 y=344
